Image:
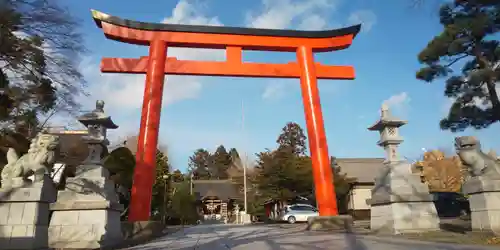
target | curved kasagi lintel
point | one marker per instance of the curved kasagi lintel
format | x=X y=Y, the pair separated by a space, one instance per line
x=220 y=37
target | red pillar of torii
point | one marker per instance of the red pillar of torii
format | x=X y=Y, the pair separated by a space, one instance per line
x=160 y=36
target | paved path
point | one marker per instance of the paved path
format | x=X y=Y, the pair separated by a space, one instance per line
x=277 y=237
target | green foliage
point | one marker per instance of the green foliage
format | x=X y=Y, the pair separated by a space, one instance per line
x=183 y=205
x=121 y=163
x=205 y=165
x=233 y=153
x=341 y=180
x=286 y=172
x=160 y=197
x=177 y=176
x=342 y=184
x=275 y=175
x=220 y=163
x=468 y=38
x=293 y=137
x=198 y=164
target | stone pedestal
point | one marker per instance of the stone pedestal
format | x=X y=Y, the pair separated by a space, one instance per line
x=24 y=213
x=484 y=199
x=338 y=224
x=87 y=213
x=400 y=203
x=245 y=218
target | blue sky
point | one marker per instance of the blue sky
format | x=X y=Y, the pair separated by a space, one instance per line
x=203 y=112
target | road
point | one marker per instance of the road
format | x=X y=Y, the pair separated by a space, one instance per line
x=278 y=237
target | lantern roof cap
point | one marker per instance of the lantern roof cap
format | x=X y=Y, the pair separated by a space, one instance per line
x=97 y=117
x=386 y=120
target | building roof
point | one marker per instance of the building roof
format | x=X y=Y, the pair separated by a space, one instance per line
x=363 y=169
x=222 y=189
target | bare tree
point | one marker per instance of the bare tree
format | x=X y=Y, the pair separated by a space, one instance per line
x=40 y=48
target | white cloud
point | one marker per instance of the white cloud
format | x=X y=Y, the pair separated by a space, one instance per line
x=365 y=17
x=302 y=15
x=273 y=91
x=281 y=14
x=312 y=22
x=126 y=91
x=187 y=13
x=123 y=93
x=399 y=103
x=286 y=14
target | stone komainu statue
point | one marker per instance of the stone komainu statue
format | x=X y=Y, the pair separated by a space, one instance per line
x=37 y=161
x=478 y=163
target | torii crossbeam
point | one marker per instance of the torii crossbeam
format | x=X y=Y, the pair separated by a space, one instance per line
x=234 y=40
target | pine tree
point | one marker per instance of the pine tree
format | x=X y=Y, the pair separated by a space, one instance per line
x=285 y=172
x=235 y=156
x=221 y=162
x=274 y=177
x=198 y=164
x=293 y=137
x=468 y=41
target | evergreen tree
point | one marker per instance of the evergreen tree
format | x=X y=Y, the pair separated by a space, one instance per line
x=286 y=172
x=292 y=150
x=292 y=136
x=183 y=206
x=121 y=164
x=161 y=185
x=342 y=184
x=198 y=164
x=177 y=176
x=275 y=177
x=235 y=157
x=221 y=161
x=469 y=40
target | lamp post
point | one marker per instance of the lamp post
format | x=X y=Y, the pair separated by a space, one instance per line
x=191 y=183
x=165 y=192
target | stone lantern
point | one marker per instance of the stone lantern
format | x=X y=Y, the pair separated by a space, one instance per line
x=399 y=201
x=388 y=128
x=88 y=209
x=97 y=124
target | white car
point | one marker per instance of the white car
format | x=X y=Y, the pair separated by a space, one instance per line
x=298 y=212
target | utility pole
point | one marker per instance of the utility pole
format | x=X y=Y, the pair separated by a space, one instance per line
x=244 y=160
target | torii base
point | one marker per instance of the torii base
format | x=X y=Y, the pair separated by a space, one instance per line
x=337 y=224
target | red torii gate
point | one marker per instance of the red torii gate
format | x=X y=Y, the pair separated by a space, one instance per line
x=159 y=36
